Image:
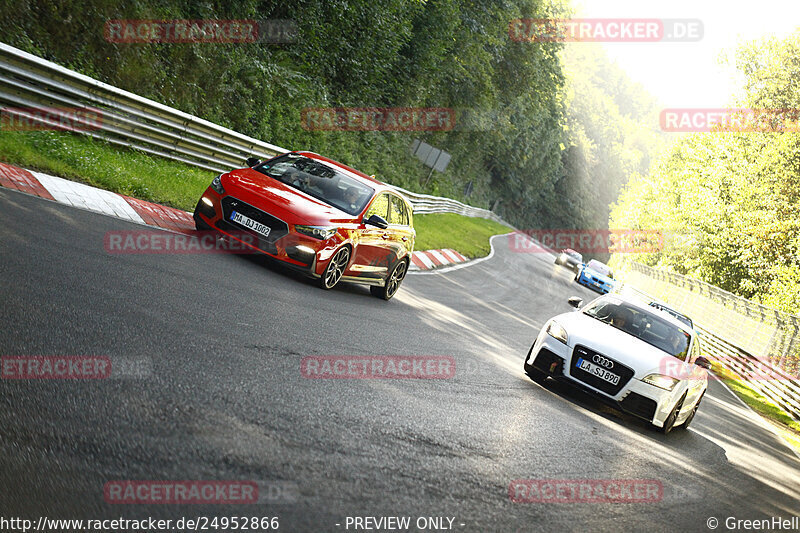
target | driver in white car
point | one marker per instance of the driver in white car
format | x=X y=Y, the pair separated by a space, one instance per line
x=621 y=317
x=678 y=343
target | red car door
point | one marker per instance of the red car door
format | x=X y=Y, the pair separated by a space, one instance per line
x=372 y=254
x=402 y=237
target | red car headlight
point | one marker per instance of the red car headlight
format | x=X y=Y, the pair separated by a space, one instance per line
x=216 y=184
x=318 y=232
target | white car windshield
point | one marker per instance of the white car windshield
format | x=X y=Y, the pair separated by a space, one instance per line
x=641 y=324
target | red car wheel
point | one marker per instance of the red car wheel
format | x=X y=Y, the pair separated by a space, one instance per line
x=336 y=267
x=392 y=282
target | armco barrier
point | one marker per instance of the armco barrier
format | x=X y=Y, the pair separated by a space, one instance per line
x=772 y=383
x=753 y=327
x=755 y=342
x=129 y=120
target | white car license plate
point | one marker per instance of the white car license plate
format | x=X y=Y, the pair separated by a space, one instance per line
x=598 y=371
x=249 y=223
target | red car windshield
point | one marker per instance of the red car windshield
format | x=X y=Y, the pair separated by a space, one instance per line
x=319 y=180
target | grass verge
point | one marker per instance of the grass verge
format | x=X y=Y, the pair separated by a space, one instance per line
x=467 y=235
x=775 y=415
x=102 y=165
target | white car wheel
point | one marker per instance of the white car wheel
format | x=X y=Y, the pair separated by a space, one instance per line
x=669 y=423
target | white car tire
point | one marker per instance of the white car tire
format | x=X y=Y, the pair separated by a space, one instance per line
x=669 y=423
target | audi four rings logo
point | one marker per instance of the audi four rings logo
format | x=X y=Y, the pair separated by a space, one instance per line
x=602 y=361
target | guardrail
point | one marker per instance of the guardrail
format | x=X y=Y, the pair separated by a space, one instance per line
x=131 y=121
x=757 y=329
x=756 y=343
x=127 y=119
x=772 y=383
x=426 y=204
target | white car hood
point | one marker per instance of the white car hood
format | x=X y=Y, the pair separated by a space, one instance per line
x=631 y=351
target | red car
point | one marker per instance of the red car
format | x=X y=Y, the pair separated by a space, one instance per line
x=319 y=216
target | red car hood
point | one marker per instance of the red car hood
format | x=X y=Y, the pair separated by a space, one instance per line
x=281 y=200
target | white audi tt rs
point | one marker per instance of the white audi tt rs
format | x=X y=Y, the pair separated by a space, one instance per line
x=641 y=359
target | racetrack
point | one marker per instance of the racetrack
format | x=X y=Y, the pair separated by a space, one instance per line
x=209 y=348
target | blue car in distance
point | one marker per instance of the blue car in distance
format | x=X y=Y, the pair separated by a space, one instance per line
x=597 y=276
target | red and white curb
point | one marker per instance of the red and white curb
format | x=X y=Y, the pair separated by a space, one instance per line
x=150 y=214
x=455 y=266
x=431 y=259
x=94 y=199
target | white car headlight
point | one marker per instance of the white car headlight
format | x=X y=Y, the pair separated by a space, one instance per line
x=557 y=331
x=661 y=381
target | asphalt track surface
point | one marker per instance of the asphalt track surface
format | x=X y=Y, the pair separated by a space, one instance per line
x=210 y=347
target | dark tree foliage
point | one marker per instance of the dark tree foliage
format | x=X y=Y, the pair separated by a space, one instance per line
x=514 y=139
